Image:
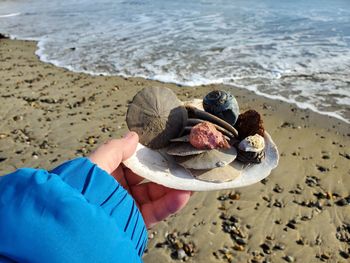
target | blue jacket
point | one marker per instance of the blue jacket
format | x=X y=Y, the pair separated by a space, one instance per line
x=74 y=213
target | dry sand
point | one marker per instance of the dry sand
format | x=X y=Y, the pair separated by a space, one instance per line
x=301 y=213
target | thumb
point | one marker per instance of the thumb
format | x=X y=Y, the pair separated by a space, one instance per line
x=109 y=155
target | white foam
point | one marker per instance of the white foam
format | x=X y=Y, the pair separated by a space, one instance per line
x=301 y=105
x=9 y=15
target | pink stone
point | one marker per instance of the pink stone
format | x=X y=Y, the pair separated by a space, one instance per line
x=205 y=136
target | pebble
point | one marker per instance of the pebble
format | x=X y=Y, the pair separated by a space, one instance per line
x=278 y=188
x=322 y=169
x=278 y=203
x=319 y=205
x=234 y=196
x=241 y=241
x=189 y=249
x=266 y=248
x=91 y=140
x=345 y=155
x=343 y=201
x=325 y=256
x=280 y=246
x=238 y=247
x=300 y=241
x=3 y=135
x=291 y=225
x=180 y=253
x=289 y=259
x=312 y=181
x=326 y=157
x=344 y=254
x=278 y=222
x=18 y=118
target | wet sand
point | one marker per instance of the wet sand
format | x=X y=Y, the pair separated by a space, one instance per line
x=300 y=213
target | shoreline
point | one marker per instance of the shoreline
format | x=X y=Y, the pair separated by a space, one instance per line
x=299 y=212
x=299 y=105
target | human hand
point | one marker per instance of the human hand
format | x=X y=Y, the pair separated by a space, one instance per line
x=156 y=202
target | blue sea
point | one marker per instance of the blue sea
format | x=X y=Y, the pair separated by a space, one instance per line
x=294 y=50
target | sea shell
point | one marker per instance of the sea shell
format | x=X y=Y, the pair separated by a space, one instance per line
x=162 y=169
x=218 y=175
x=185 y=138
x=182 y=149
x=222 y=104
x=251 y=149
x=196 y=113
x=208 y=159
x=253 y=143
x=157 y=116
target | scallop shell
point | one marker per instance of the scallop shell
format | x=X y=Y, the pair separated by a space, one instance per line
x=162 y=169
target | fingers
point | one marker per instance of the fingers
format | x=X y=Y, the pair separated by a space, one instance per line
x=171 y=202
x=148 y=192
x=131 y=177
x=109 y=155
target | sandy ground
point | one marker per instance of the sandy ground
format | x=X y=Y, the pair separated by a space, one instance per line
x=300 y=213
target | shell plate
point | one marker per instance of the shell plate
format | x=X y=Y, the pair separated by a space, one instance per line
x=162 y=169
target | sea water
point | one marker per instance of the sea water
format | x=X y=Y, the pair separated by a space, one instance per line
x=294 y=50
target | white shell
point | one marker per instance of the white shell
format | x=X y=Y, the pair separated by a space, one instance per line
x=161 y=169
x=254 y=143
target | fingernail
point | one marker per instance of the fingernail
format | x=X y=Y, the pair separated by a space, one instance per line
x=129 y=135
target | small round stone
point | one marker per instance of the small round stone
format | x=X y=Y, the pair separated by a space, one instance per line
x=289 y=258
x=181 y=254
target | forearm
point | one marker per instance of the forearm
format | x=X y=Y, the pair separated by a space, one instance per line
x=75 y=213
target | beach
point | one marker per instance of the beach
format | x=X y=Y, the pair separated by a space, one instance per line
x=300 y=213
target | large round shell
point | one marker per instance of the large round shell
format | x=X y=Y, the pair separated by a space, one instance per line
x=157 y=116
x=162 y=169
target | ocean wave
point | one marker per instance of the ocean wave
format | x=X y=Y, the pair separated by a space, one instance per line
x=282 y=51
x=9 y=15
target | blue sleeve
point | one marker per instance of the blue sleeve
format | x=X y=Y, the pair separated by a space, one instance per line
x=75 y=213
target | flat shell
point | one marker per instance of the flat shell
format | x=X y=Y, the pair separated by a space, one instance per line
x=185 y=138
x=157 y=116
x=182 y=149
x=197 y=113
x=218 y=175
x=157 y=167
x=209 y=159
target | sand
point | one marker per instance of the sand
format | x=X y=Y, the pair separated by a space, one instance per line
x=300 y=213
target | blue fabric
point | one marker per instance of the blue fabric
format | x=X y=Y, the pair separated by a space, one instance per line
x=75 y=213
